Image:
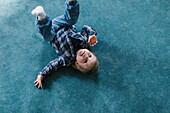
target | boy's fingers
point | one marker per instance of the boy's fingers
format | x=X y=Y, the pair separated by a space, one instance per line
x=36 y=84
x=35 y=81
x=40 y=86
x=89 y=40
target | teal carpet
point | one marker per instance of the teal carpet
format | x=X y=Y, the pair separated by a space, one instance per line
x=133 y=52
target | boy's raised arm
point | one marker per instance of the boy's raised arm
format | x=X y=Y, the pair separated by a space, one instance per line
x=90 y=35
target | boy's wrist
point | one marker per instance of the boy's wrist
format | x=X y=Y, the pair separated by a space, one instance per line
x=40 y=77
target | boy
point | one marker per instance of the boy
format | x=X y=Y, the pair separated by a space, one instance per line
x=70 y=45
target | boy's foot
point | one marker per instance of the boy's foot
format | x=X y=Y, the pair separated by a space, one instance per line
x=39 y=11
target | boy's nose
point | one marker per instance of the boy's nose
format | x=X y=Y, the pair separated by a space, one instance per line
x=85 y=56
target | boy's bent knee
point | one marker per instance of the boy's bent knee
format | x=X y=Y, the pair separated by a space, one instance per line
x=48 y=38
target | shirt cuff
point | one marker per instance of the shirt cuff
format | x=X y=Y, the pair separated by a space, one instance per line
x=92 y=33
x=42 y=21
x=40 y=73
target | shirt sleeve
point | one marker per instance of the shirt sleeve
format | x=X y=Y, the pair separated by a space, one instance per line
x=81 y=38
x=54 y=65
x=86 y=32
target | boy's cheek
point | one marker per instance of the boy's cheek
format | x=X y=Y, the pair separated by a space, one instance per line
x=79 y=59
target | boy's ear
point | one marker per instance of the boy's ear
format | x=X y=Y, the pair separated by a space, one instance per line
x=75 y=65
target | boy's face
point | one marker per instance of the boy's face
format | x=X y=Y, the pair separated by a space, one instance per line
x=85 y=59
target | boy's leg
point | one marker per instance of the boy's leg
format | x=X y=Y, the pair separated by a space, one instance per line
x=70 y=16
x=44 y=24
x=45 y=28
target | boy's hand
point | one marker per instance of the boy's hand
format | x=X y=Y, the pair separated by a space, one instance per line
x=92 y=40
x=38 y=82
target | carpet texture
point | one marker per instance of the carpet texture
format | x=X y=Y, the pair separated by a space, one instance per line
x=133 y=51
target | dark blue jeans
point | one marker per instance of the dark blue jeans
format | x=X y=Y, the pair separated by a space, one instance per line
x=47 y=27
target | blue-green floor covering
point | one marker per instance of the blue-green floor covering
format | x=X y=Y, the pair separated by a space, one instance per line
x=133 y=53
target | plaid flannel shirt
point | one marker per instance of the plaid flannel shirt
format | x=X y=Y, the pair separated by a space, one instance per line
x=66 y=43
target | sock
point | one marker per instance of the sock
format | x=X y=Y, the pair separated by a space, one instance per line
x=39 y=11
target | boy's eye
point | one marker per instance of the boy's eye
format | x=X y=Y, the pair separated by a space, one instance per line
x=90 y=56
x=85 y=61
